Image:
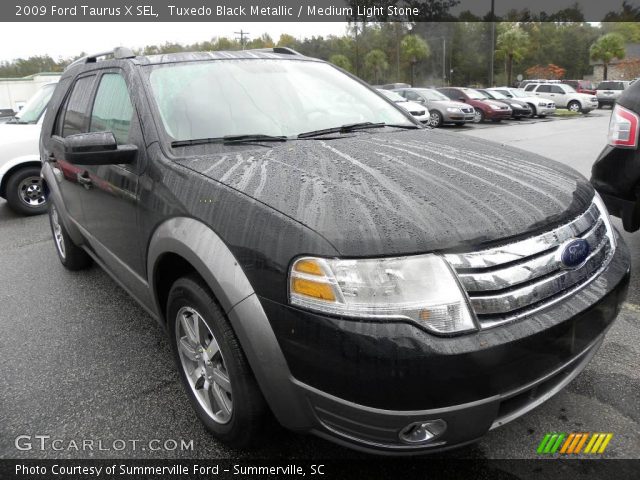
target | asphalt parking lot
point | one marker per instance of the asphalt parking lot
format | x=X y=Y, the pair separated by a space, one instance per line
x=81 y=360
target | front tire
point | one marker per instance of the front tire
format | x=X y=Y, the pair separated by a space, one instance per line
x=24 y=192
x=435 y=119
x=574 y=106
x=478 y=116
x=71 y=256
x=212 y=366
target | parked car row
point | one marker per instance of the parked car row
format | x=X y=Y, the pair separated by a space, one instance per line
x=458 y=105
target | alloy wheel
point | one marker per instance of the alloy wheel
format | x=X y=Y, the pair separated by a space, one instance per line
x=57 y=231
x=204 y=365
x=30 y=192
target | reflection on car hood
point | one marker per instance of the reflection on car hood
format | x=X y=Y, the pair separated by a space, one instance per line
x=400 y=192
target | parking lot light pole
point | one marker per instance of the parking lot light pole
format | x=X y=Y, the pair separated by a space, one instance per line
x=493 y=43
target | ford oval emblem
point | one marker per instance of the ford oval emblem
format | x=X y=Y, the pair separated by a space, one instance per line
x=573 y=253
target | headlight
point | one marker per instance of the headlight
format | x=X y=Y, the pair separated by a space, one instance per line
x=542 y=104
x=604 y=214
x=495 y=107
x=453 y=110
x=419 y=288
x=513 y=105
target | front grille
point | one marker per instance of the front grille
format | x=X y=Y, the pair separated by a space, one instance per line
x=511 y=281
x=417 y=113
x=467 y=110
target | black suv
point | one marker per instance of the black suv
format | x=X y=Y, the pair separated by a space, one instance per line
x=315 y=253
x=616 y=172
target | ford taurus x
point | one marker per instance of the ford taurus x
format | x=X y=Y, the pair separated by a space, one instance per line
x=315 y=254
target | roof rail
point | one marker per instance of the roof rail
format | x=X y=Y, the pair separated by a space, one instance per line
x=116 y=53
x=286 y=50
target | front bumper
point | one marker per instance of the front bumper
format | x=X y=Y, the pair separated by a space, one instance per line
x=491 y=114
x=359 y=383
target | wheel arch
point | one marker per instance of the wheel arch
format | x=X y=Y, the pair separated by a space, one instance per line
x=182 y=245
x=13 y=166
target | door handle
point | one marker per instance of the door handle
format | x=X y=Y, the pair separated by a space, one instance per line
x=84 y=179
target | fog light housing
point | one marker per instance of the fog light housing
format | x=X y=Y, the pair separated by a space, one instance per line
x=423 y=431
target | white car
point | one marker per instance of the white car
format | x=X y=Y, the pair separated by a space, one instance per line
x=540 y=107
x=20 y=182
x=418 y=111
x=564 y=96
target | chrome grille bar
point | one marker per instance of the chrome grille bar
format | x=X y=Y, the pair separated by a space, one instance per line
x=525 y=248
x=510 y=281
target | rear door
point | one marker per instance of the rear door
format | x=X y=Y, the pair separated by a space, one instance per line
x=72 y=118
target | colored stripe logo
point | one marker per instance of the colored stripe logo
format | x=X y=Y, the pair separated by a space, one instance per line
x=574 y=443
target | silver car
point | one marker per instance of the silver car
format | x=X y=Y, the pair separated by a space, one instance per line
x=417 y=110
x=609 y=91
x=441 y=109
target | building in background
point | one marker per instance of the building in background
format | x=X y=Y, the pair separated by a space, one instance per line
x=14 y=92
x=626 y=69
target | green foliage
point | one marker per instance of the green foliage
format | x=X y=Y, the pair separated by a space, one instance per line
x=341 y=61
x=414 y=48
x=511 y=46
x=606 y=48
x=376 y=64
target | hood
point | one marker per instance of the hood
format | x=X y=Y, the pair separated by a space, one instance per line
x=16 y=132
x=402 y=192
x=413 y=106
x=18 y=140
x=489 y=101
x=451 y=103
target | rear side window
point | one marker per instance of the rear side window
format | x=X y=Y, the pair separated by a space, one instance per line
x=112 y=108
x=556 y=89
x=75 y=116
x=544 y=89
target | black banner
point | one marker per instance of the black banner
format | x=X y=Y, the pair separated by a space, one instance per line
x=317 y=10
x=377 y=468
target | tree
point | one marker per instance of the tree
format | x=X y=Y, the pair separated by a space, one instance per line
x=512 y=45
x=341 y=61
x=376 y=64
x=414 y=49
x=606 y=48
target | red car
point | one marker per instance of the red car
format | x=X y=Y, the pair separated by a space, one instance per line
x=485 y=108
x=581 y=86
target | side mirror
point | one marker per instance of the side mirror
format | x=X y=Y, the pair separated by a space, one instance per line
x=97 y=148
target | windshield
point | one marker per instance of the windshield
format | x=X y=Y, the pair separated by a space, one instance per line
x=517 y=93
x=268 y=97
x=611 y=86
x=497 y=95
x=31 y=112
x=433 y=94
x=393 y=96
x=474 y=94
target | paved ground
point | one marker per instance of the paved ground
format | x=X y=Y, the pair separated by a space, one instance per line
x=81 y=360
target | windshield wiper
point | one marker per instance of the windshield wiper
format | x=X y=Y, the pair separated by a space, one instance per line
x=351 y=127
x=230 y=140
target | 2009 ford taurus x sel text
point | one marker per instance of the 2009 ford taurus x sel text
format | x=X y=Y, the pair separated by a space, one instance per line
x=315 y=253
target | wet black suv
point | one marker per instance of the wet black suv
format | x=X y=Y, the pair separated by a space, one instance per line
x=316 y=254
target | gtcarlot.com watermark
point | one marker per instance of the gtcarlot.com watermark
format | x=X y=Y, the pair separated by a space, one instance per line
x=47 y=443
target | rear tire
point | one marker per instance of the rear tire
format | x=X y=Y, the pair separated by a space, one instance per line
x=212 y=366
x=71 y=256
x=24 y=192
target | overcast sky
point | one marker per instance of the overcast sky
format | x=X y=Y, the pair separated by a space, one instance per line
x=20 y=40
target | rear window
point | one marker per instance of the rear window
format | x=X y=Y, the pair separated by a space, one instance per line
x=611 y=86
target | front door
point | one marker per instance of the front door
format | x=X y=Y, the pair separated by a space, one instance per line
x=110 y=196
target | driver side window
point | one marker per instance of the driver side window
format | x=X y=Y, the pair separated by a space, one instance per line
x=112 y=108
